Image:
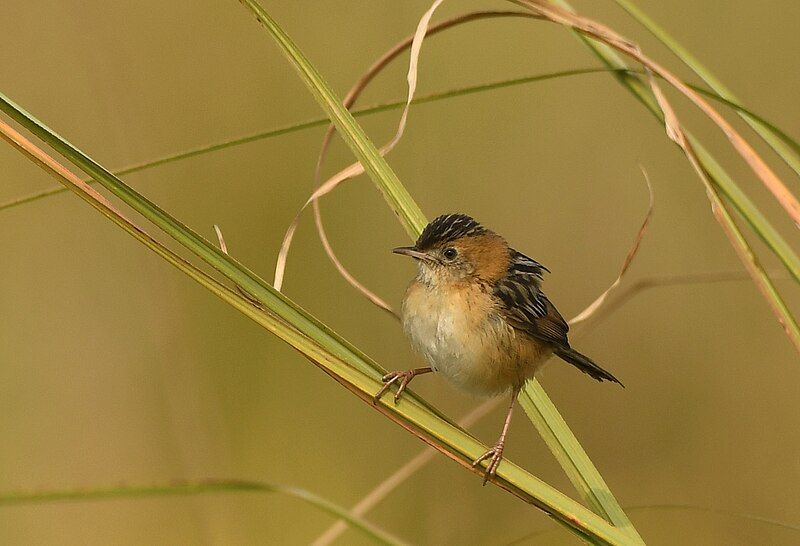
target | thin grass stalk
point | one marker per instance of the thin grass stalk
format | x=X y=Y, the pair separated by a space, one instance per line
x=776 y=131
x=414 y=221
x=203 y=487
x=411 y=415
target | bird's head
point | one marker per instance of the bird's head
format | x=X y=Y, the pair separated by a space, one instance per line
x=455 y=248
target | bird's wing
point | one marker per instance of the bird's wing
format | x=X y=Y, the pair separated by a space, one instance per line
x=524 y=305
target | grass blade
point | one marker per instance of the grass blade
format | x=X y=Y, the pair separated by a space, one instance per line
x=721 y=213
x=396 y=196
x=301 y=331
x=743 y=204
x=767 y=133
x=776 y=131
x=412 y=218
x=675 y=132
x=572 y=457
x=204 y=487
x=598 y=31
x=223 y=263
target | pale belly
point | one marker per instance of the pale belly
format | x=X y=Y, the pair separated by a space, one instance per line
x=463 y=338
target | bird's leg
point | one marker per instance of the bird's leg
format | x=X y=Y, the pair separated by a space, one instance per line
x=403 y=378
x=495 y=455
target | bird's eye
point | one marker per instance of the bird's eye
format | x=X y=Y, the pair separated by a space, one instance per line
x=450 y=253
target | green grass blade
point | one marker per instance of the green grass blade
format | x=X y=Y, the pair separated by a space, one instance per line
x=223 y=263
x=743 y=204
x=200 y=488
x=766 y=125
x=320 y=347
x=573 y=459
x=549 y=424
x=747 y=210
x=384 y=177
x=785 y=151
x=388 y=185
x=410 y=414
x=231 y=268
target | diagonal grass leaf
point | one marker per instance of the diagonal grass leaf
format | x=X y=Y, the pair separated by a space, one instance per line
x=281 y=317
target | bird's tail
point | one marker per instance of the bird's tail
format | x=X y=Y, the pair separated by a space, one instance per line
x=585 y=364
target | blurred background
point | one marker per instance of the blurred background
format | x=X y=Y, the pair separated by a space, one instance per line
x=116 y=369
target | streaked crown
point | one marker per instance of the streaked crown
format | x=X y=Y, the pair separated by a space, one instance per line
x=448 y=228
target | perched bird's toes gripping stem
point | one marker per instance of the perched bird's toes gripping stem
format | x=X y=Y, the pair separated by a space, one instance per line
x=495 y=455
x=402 y=378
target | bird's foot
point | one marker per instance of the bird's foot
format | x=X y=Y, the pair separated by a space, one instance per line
x=402 y=378
x=494 y=455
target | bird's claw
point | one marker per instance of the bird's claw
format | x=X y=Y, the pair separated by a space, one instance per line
x=403 y=377
x=495 y=455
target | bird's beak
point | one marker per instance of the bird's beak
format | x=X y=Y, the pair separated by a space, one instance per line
x=410 y=251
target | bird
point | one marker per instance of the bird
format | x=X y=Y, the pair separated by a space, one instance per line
x=477 y=314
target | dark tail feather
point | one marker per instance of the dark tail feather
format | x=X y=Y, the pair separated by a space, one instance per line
x=585 y=364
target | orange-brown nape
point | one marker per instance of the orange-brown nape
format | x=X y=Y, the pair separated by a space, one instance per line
x=488 y=254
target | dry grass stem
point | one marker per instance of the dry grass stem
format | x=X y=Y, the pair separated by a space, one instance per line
x=676 y=134
x=356 y=168
x=15 y=138
x=349 y=101
x=595 y=305
x=604 y=34
x=723 y=217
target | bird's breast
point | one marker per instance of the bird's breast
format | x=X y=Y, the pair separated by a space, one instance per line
x=461 y=334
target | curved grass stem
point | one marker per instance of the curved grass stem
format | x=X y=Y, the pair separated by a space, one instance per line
x=203 y=487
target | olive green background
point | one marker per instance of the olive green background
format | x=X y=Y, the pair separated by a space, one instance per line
x=115 y=368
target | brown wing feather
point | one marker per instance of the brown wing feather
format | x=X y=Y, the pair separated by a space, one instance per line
x=527 y=309
x=525 y=306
